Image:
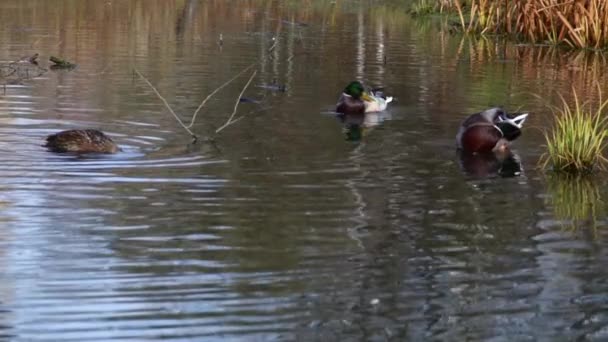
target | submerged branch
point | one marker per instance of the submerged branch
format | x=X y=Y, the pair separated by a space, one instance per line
x=230 y=120
x=166 y=104
x=214 y=92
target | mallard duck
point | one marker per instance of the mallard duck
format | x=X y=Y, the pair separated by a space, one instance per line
x=355 y=99
x=81 y=141
x=489 y=131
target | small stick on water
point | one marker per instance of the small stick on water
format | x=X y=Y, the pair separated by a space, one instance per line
x=103 y=71
x=250 y=112
x=214 y=92
x=236 y=105
x=194 y=137
x=275 y=40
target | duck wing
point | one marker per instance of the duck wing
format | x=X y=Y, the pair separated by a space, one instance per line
x=479 y=138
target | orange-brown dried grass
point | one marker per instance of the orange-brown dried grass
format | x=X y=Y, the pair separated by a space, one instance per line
x=580 y=24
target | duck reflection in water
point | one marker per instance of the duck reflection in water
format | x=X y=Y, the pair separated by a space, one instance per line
x=489 y=165
x=357 y=126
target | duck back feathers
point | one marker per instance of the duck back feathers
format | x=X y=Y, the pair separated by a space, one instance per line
x=81 y=141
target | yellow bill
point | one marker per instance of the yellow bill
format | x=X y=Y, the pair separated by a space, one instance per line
x=366 y=97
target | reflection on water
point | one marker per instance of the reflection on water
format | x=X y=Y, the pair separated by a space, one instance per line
x=356 y=126
x=576 y=199
x=505 y=164
x=283 y=230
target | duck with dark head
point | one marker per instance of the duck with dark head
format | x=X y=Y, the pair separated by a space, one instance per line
x=81 y=141
x=355 y=99
x=489 y=131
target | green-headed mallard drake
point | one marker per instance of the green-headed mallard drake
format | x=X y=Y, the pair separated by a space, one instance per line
x=81 y=141
x=355 y=99
x=489 y=131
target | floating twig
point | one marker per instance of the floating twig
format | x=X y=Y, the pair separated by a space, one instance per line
x=103 y=71
x=275 y=39
x=215 y=91
x=248 y=113
x=236 y=105
x=194 y=137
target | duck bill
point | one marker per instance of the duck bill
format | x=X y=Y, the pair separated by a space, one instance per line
x=517 y=121
x=366 y=97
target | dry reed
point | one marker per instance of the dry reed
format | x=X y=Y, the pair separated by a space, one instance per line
x=580 y=24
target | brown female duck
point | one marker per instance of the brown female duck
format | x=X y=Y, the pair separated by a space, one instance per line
x=489 y=131
x=81 y=141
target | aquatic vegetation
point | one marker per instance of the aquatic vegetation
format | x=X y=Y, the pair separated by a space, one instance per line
x=575 y=199
x=426 y=7
x=576 y=142
x=59 y=63
x=423 y=7
x=580 y=24
x=484 y=16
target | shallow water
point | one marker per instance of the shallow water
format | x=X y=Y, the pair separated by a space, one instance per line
x=282 y=228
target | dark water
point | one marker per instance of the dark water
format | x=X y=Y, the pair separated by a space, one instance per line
x=282 y=229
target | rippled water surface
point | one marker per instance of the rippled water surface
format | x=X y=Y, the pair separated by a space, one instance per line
x=288 y=224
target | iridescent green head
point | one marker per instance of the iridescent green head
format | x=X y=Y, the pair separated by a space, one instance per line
x=355 y=89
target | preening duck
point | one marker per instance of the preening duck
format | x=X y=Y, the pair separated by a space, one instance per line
x=489 y=131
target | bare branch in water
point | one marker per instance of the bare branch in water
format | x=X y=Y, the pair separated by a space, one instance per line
x=231 y=119
x=276 y=40
x=215 y=91
x=194 y=137
x=249 y=113
x=236 y=105
x=103 y=71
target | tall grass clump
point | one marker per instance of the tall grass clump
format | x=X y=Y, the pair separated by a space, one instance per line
x=423 y=7
x=576 y=142
x=426 y=7
x=484 y=16
x=577 y=23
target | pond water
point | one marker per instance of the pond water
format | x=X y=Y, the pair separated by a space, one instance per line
x=288 y=225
